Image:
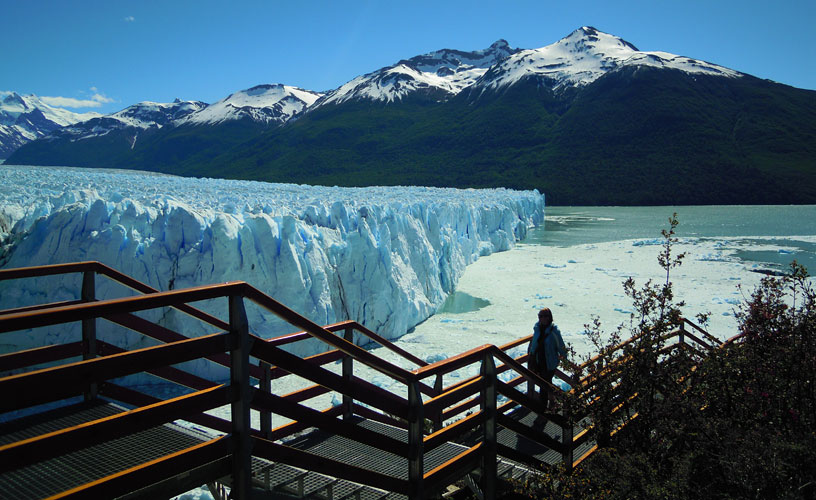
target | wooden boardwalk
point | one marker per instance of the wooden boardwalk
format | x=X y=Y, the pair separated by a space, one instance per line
x=123 y=443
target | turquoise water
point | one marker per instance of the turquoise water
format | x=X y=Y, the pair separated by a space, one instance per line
x=567 y=226
x=461 y=302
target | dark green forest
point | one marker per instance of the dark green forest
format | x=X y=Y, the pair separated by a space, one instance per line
x=638 y=136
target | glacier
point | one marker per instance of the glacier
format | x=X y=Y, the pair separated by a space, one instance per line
x=386 y=257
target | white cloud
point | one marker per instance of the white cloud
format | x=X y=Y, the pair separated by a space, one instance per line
x=95 y=101
x=130 y=19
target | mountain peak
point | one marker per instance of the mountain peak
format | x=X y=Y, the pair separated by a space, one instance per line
x=266 y=103
x=500 y=44
x=582 y=57
x=14 y=99
x=434 y=76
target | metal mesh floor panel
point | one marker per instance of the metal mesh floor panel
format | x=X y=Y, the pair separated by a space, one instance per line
x=54 y=420
x=354 y=453
x=79 y=467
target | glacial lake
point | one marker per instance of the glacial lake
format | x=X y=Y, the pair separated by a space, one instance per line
x=757 y=226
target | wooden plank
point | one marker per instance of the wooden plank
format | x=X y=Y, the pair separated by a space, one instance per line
x=321 y=359
x=305 y=394
x=52 y=384
x=512 y=454
x=326 y=336
x=453 y=363
x=461 y=408
x=583 y=457
x=528 y=402
x=453 y=431
x=287 y=430
x=357 y=388
x=453 y=469
x=143 y=288
x=153 y=471
x=305 y=460
x=48 y=270
x=376 y=416
x=380 y=340
x=34 y=449
x=530 y=433
x=693 y=337
x=315 y=418
x=289 y=338
x=162 y=334
x=39 y=355
x=453 y=396
x=168 y=373
x=38 y=307
x=711 y=338
x=78 y=312
x=136 y=398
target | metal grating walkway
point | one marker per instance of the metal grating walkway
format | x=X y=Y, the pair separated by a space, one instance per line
x=354 y=453
x=70 y=470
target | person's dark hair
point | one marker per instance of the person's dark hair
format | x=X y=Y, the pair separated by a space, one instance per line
x=545 y=313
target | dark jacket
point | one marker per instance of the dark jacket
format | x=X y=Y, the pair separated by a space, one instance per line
x=548 y=351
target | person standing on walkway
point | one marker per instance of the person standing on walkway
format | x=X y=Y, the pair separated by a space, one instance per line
x=546 y=349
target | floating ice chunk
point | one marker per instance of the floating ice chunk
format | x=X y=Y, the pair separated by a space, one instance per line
x=649 y=242
x=555 y=266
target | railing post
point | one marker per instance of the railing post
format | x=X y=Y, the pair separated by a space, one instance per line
x=682 y=335
x=348 y=373
x=488 y=406
x=89 y=347
x=566 y=443
x=437 y=418
x=266 y=387
x=416 y=453
x=239 y=378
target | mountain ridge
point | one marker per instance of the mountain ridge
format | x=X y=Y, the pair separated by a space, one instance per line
x=514 y=118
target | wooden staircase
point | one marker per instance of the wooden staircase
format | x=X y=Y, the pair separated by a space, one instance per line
x=105 y=439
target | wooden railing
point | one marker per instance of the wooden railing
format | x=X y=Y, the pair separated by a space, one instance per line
x=489 y=397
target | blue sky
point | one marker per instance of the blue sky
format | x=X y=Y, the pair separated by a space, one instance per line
x=105 y=55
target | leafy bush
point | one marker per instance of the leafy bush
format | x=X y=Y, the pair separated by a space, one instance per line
x=739 y=422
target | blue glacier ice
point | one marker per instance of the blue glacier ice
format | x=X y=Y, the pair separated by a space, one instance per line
x=384 y=256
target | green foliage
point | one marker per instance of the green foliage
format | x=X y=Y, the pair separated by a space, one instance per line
x=639 y=137
x=739 y=422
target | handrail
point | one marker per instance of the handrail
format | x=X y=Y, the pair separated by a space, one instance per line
x=88 y=310
x=317 y=331
x=376 y=338
x=481 y=390
x=704 y=333
x=100 y=268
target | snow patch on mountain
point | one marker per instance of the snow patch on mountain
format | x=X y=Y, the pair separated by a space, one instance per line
x=133 y=119
x=384 y=256
x=438 y=74
x=584 y=56
x=26 y=118
x=262 y=103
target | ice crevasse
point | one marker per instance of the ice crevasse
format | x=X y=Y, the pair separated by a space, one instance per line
x=386 y=257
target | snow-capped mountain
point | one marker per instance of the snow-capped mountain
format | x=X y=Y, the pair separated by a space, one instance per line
x=130 y=121
x=437 y=75
x=25 y=118
x=582 y=57
x=262 y=103
x=589 y=119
